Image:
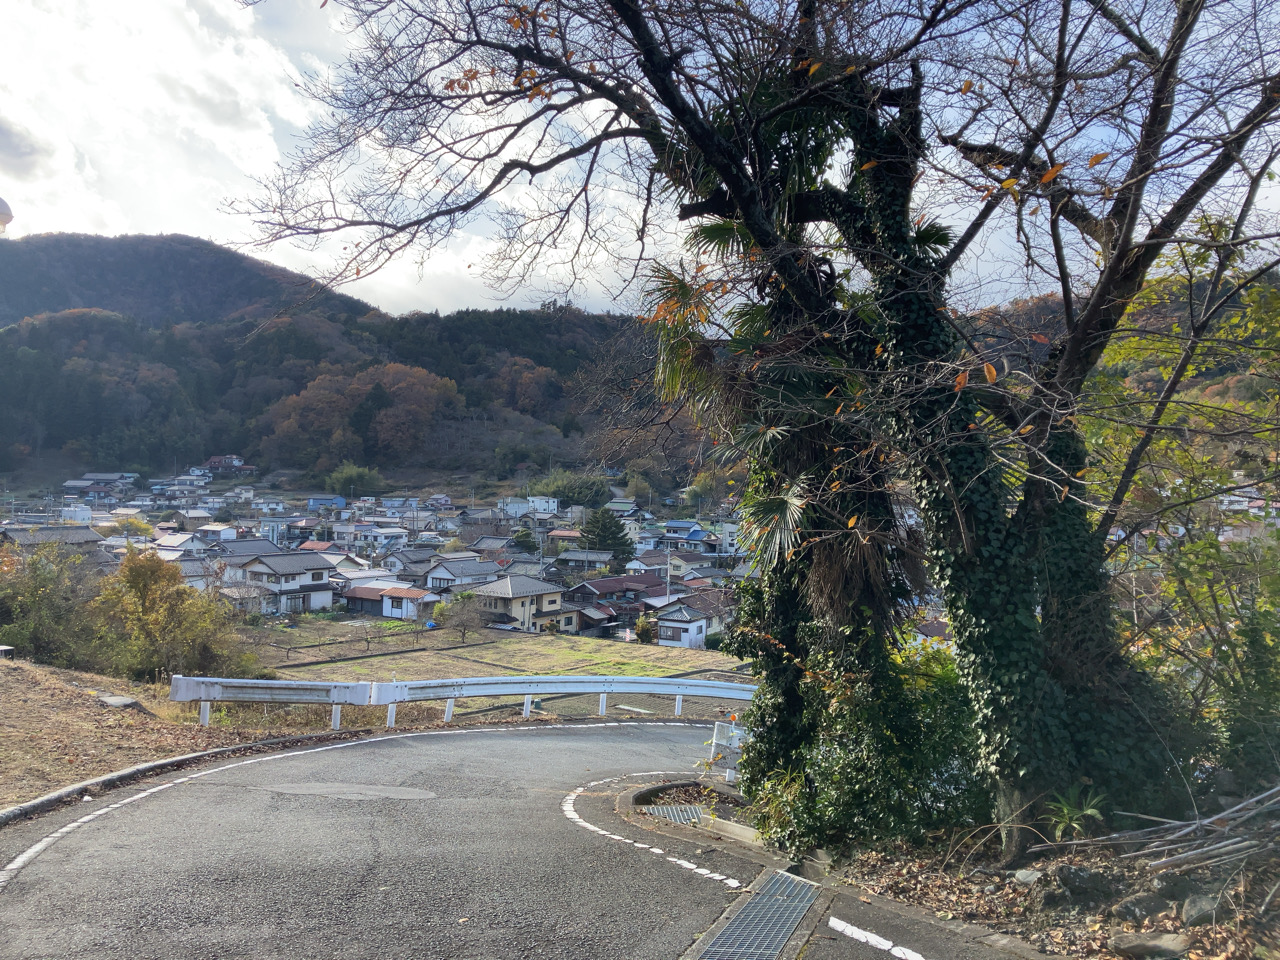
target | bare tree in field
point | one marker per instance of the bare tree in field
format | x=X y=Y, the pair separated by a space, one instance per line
x=838 y=173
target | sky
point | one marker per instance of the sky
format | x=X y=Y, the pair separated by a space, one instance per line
x=148 y=116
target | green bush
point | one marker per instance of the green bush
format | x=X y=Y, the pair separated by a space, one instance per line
x=845 y=749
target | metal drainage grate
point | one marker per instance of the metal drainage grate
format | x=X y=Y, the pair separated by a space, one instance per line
x=676 y=814
x=762 y=927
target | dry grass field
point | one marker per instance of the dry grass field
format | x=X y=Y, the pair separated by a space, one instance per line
x=54 y=731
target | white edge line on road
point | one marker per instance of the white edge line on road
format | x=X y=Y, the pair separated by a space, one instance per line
x=566 y=807
x=872 y=940
x=12 y=868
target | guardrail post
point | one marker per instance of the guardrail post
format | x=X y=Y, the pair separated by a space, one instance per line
x=528 y=703
x=603 y=698
x=204 y=713
x=679 y=704
x=337 y=716
x=448 y=710
x=391 y=714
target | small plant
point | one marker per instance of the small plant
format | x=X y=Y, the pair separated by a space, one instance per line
x=1073 y=812
x=779 y=804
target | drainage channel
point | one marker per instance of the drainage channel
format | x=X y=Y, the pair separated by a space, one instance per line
x=684 y=813
x=765 y=923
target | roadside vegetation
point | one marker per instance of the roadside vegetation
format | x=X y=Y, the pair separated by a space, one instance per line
x=141 y=621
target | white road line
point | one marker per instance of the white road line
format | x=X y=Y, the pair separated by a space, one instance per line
x=872 y=940
x=12 y=868
x=566 y=807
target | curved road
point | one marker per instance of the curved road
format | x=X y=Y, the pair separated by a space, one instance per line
x=458 y=844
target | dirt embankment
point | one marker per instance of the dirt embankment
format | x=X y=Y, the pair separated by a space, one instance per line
x=55 y=731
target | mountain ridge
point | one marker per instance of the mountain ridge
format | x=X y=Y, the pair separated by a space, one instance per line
x=153 y=278
x=131 y=352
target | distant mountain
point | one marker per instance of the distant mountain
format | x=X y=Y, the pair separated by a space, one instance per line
x=131 y=352
x=156 y=280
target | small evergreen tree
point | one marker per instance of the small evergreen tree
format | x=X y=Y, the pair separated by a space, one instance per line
x=604 y=531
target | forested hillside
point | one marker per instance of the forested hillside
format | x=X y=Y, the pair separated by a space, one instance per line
x=156 y=280
x=134 y=352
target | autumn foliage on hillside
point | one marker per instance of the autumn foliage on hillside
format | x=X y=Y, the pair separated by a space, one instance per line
x=285 y=379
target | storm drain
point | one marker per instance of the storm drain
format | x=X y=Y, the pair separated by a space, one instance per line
x=762 y=927
x=676 y=814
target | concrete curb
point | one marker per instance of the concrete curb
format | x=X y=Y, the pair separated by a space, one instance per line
x=109 y=780
x=837 y=890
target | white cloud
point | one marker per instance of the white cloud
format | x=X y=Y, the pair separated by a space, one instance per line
x=146 y=116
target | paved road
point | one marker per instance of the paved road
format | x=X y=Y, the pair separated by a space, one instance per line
x=455 y=845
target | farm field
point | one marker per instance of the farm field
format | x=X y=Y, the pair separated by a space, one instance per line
x=489 y=653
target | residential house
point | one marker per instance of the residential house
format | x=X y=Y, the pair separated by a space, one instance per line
x=541 y=504
x=269 y=506
x=344 y=581
x=650 y=561
x=386 y=537
x=459 y=574
x=289 y=582
x=514 y=506
x=580 y=561
x=716 y=604
x=626 y=587
x=199 y=573
x=79 y=513
x=622 y=507
x=345 y=562
x=541 y=568
x=182 y=544
x=228 y=463
x=616 y=601
x=330 y=502
x=399 y=560
x=494 y=547
x=245 y=547
x=78 y=539
x=408 y=603
x=277 y=529
x=680 y=625
x=682 y=563
x=531 y=605
x=364 y=599
x=562 y=539
x=217 y=531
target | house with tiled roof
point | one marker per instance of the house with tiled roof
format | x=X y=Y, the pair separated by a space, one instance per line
x=680 y=625
x=408 y=603
x=562 y=539
x=291 y=582
x=79 y=539
x=451 y=574
x=529 y=604
x=577 y=561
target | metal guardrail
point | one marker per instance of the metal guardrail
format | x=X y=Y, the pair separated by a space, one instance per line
x=209 y=689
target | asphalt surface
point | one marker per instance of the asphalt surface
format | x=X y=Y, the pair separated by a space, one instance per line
x=467 y=845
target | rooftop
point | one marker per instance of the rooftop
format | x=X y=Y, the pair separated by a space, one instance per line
x=31 y=536
x=404 y=593
x=289 y=564
x=517 y=586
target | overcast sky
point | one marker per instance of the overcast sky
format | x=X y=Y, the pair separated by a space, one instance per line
x=145 y=116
